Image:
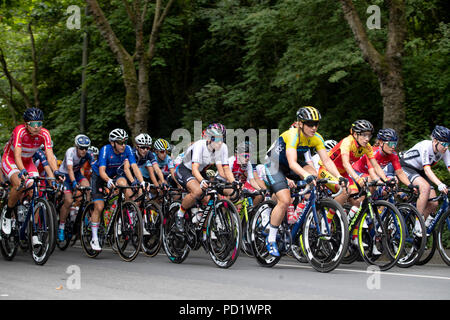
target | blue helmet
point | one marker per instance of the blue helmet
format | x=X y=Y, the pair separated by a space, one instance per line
x=82 y=140
x=441 y=133
x=387 y=135
x=33 y=114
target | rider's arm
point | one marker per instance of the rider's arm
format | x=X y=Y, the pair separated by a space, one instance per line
x=328 y=163
x=291 y=155
x=51 y=159
x=378 y=169
x=227 y=170
x=127 y=171
x=151 y=172
x=70 y=172
x=137 y=172
x=196 y=172
x=103 y=175
x=348 y=167
x=18 y=158
x=402 y=177
x=430 y=174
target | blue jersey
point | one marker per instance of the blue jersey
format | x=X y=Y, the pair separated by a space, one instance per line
x=40 y=158
x=112 y=161
x=165 y=165
x=144 y=162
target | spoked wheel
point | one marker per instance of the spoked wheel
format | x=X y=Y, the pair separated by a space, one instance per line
x=443 y=236
x=128 y=231
x=9 y=243
x=224 y=234
x=152 y=237
x=415 y=239
x=86 y=231
x=325 y=251
x=382 y=242
x=41 y=232
x=174 y=243
x=259 y=231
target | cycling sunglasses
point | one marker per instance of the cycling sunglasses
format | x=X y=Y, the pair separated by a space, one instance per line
x=244 y=155
x=392 y=144
x=216 y=139
x=121 y=142
x=83 y=148
x=34 y=124
x=444 y=144
x=311 y=123
x=144 y=147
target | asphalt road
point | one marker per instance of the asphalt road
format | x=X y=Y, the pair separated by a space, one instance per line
x=70 y=275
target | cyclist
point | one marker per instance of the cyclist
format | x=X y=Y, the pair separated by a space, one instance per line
x=329 y=144
x=74 y=160
x=86 y=169
x=417 y=163
x=202 y=153
x=105 y=172
x=285 y=159
x=165 y=161
x=17 y=162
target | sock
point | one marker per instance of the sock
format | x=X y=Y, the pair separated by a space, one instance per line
x=330 y=215
x=94 y=227
x=355 y=233
x=181 y=212
x=273 y=231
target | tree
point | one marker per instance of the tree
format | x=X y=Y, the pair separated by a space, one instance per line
x=388 y=66
x=135 y=76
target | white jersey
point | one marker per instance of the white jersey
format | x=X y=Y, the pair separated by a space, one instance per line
x=422 y=154
x=315 y=160
x=199 y=153
x=72 y=159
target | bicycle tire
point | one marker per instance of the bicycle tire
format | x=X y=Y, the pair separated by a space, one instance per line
x=246 y=245
x=414 y=244
x=443 y=232
x=352 y=253
x=41 y=224
x=390 y=241
x=151 y=243
x=224 y=234
x=430 y=248
x=9 y=245
x=325 y=253
x=174 y=243
x=86 y=232
x=55 y=220
x=259 y=231
x=128 y=231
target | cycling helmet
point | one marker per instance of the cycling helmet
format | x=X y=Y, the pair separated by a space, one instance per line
x=215 y=129
x=308 y=114
x=82 y=140
x=441 y=133
x=244 y=147
x=161 y=144
x=33 y=114
x=362 y=126
x=387 y=135
x=94 y=150
x=143 y=139
x=118 y=134
x=329 y=144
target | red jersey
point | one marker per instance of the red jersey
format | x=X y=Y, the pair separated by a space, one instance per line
x=363 y=165
x=30 y=144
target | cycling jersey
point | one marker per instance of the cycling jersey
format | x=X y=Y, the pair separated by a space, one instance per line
x=40 y=161
x=72 y=159
x=165 y=165
x=292 y=139
x=241 y=172
x=112 y=161
x=143 y=162
x=349 y=146
x=422 y=155
x=363 y=164
x=200 y=153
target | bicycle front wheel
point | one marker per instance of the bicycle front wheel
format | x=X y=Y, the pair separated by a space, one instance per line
x=41 y=232
x=175 y=244
x=381 y=242
x=224 y=234
x=128 y=231
x=443 y=236
x=86 y=231
x=9 y=245
x=326 y=243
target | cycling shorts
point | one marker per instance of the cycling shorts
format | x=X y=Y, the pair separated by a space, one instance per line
x=68 y=183
x=324 y=174
x=9 y=167
x=276 y=177
x=183 y=175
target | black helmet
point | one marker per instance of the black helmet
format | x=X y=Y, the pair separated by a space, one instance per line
x=308 y=114
x=441 y=133
x=387 y=135
x=33 y=114
x=362 y=126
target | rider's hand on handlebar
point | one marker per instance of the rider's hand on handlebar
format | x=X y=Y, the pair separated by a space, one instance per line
x=343 y=182
x=23 y=174
x=311 y=178
x=110 y=184
x=204 y=184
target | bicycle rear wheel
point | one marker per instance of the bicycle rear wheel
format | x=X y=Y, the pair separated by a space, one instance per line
x=325 y=253
x=382 y=242
x=414 y=242
x=128 y=231
x=152 y=219
x=224 y=234
x=42 y=227
x=443 y=236
x=174 y=243
x=246 y=245
x=259 y=231
x=86 y=231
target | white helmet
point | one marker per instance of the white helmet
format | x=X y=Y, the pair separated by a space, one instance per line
x=82 y=141
x=329 y=144
x=143 y=139
x=118 y=134
x=94 y=150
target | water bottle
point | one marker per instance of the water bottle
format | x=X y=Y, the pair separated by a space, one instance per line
x=291 y=214
x=21 y=213
x=196 y=215
x=352 y=212
x=429 y=221
x=73 y=213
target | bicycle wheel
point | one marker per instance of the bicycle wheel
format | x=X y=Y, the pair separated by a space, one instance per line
x=325 y=252
x=443 y=236
x=414 y=242
x=152 y=237
x=382 y=242
x=9 y=244
x=41 y=228
x=224 y=234
x=259 y=231
x=86 y=231
x=56 y=223
x=128 y=231
x=352 y=254
x=430 y=248
x=246 y=245
x=174 y=243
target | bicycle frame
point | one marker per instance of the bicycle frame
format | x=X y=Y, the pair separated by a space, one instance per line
x=440 y=212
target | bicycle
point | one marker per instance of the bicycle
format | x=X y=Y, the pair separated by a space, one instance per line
x=385 y=230
x=323 y=243
x=123 y=227
x=32 y=226
x=218 y=231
